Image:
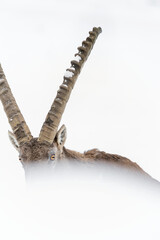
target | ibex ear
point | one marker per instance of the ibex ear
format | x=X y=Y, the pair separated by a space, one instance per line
x=13 y=140
x=61 y=136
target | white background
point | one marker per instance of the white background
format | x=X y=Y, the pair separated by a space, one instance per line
x=115 y=105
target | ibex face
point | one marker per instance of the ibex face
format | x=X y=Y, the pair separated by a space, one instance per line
x=38 y=152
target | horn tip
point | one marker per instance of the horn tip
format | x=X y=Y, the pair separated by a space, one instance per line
x=97 y=29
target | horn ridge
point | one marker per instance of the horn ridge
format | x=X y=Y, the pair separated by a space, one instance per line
x=55 y=113
x=15 y=118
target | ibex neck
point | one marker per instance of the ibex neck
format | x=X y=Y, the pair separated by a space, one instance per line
x=70 y=154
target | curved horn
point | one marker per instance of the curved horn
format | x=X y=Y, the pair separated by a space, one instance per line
x=50 y=126
x=15 y=118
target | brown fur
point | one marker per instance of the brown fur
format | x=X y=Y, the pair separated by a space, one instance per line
x=94 y=155
x=34 y=151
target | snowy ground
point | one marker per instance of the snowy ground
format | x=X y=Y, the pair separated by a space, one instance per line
x=115 y=106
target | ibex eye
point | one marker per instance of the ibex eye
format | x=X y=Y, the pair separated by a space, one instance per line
x=52 y=157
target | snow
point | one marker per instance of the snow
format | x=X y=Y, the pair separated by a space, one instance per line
x=68 y=74
x=72 y=68
x=64 y=85
x=78 y=58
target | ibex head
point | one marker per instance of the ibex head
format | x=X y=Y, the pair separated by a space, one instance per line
x=48 y=147
x=35 y=151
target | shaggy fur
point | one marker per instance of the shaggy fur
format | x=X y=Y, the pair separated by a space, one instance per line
x=35 y=151
x=94 y=155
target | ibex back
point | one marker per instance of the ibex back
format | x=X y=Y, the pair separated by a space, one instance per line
x=49 y=148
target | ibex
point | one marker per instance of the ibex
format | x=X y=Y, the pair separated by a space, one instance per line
x=49 y=148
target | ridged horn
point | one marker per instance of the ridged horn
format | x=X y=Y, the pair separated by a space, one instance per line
x=50 y=126
x=15 y=118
